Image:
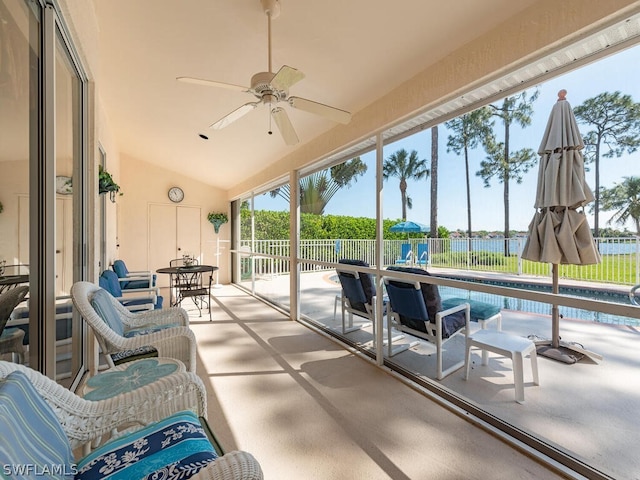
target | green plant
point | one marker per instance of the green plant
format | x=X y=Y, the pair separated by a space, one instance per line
x=217 y=219
x=107 y=184
x=1 y=207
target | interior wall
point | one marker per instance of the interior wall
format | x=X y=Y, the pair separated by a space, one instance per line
x=141 y=189
x=14 y=183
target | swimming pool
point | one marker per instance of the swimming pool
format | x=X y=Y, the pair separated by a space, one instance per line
x=519 y=304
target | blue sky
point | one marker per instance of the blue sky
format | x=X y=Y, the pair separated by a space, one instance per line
x=617 y=72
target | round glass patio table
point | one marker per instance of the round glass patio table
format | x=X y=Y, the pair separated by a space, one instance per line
x=174 y=272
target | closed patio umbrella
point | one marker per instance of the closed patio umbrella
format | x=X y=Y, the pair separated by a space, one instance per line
x=559 y=232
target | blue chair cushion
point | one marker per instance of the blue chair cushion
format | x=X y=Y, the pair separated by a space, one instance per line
x=136 y=284
x=479 y=310
x=365 y=279
x=431 y=297
x=176 y=447
x=429 y=291
x=122 y=271
x=32 y=436
x=102 y=304
x=110 y=282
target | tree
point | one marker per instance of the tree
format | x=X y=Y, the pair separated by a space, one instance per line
x=616 y=121
x=501 y=162
x=433 y=228
x=405 y=166
x=625 y=199
x=317 y=189
x=468 y=131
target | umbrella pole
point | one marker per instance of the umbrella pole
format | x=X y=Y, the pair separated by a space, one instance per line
x=561 y=351
x=555 y=312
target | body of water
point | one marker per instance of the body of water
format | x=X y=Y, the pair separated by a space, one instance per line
x=613 y=247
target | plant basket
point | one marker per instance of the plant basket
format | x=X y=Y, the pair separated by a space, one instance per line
x=217 y=219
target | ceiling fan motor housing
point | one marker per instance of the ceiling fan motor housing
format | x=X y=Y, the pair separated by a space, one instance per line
x=271 y=7
x=261 y=85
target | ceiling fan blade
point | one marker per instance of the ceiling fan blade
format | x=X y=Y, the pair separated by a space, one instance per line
x=332 y=113
x=211 y=83
x=284 y=125
x=286 y=77
x=235 y=115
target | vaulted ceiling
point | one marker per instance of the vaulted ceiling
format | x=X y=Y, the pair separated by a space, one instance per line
x=351 y=52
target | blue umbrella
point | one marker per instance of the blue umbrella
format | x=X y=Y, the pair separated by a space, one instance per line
x=409 y=227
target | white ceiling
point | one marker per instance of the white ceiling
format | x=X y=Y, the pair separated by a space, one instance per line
x=352 y=53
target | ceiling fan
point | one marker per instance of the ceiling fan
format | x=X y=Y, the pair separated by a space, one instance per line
x=272 y=88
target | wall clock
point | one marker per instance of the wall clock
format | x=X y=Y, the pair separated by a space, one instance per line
x=176 y=194
x=63 y=185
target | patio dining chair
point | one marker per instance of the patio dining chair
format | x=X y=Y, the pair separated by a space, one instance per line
x=191 y=284
x=124 y=335
x=415 y=308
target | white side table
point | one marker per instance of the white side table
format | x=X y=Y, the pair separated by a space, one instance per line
x=507 y=345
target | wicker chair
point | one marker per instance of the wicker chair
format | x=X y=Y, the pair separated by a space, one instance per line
x=119 y=330
x=46 y=422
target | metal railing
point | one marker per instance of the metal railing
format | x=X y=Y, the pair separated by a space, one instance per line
x=620 y=257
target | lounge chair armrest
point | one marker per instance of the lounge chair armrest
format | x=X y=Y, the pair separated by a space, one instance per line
x=457 y=308
x=236 y=465
x=131 y=278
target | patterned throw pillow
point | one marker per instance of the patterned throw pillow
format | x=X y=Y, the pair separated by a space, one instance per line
x=176 y=447
x=34 y=445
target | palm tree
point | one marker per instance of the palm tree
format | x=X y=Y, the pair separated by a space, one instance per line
x=405 y=166
x=434 y=183
x=469 y=130
x=318 y=188
x=625 y=199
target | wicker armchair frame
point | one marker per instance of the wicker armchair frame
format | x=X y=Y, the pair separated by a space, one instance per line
x=86 y=422
x=173 y=342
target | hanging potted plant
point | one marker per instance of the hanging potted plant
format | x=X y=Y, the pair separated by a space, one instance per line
x=106 y=184
x=217 y=219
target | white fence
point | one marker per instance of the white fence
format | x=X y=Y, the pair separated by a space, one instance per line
x=620 y=256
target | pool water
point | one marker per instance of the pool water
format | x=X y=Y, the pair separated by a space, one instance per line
x=519 y=304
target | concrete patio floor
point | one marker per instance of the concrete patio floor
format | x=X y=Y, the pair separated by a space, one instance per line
x=587 y=408
x=308 y=409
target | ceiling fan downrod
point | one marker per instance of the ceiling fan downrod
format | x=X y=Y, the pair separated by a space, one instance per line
x=272 y=10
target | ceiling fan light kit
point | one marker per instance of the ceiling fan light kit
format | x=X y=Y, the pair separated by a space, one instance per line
x=272 y=88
